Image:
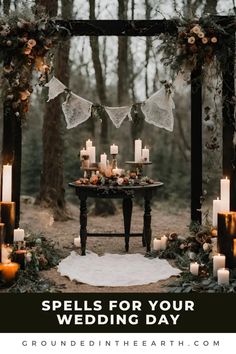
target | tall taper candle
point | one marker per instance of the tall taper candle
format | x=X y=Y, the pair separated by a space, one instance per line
x=217 y=207
x=7 y=183
x=138 y=150
x=225 y=194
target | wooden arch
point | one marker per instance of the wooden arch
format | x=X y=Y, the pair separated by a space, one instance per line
x=12 y=133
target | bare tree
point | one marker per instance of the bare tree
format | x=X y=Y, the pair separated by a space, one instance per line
x=6 y=6
x=148 y=46
x=52 y=193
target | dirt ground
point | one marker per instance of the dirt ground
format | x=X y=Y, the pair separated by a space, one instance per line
x=165 y=218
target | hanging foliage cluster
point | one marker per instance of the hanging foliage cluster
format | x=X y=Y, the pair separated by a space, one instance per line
x=199 y=41
x=25 y=43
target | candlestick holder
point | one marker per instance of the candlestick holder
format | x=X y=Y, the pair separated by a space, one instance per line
x=138 y=167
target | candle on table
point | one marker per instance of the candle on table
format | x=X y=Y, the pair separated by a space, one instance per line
x=77 y=241
x=7 y=183
x=6 y=251
x=114 y=149
x=194 y=268
x=138 y=150
x=92 y=154
x=223 y=276
x=19 y=235
x=89 y=143
x=103 y=160
x=217 y=206
x=145 y=154
x=8 y=218
x=164 y=242
x=218 y=262
x=225 y=194
x=9 y=271
x=156 y=244
x=83 y=153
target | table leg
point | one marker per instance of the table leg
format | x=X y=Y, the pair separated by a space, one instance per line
x=83 y=225
x=147 y=231
x=127 y=214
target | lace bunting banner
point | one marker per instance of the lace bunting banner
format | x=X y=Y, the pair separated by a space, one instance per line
x=76 y=110
x=55 y=88
x=157 y=110
x=118 y=114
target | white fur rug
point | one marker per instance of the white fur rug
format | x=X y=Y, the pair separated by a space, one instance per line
x=115 y=269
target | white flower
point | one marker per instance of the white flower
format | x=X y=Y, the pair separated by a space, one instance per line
x=206 y=247
x=120 y=181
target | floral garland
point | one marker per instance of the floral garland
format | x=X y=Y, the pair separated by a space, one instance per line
x=25 y=43
x=198 y=41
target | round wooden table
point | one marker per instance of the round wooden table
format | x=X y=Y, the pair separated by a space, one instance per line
x=127 y=193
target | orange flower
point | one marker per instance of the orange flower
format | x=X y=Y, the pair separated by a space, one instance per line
x=24 y=95
x=191 y=40
x=39 y=63
x=27 y=51
x=214 y=40
x=204 y=40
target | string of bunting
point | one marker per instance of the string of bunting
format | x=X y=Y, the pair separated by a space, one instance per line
x=157 y=109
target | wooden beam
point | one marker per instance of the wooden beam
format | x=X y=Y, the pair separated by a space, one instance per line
x=228 y=107
x=196 y=143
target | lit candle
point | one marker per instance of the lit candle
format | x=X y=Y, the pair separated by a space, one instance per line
x=156 y=244
x=138 y=150
x=218 y=262
x=217 y=206
x=7 y=183
x=9 y=271
x=92 y=154
x=77 y=241
x=19 y=235
x=223 y=276
x=114 y=149
x=225 y=193
x=164 y=242
x=83 y=153
x=89 y=143
x=145 y=154
x=194 y=268
x=6 y=251
x=103 y=160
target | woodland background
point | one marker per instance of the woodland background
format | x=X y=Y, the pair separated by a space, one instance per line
x=117 y=71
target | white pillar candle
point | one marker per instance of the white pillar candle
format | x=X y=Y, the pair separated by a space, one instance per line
x=138 y=150
x=114 y=149
x=19 y=235
x=83 y=153
x=194 y=268
x=164 y=242
x=103 y=160
x=7 y=183
x=6 y=251
x=156 y=244
x=217 y=207
x=89 y=143
x=218 y=262
x=145 y=154
x=223 y=276
x=77 y=241
x=92 y=154
x=225 y=194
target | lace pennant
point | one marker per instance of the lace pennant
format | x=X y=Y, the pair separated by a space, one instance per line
x=76 y=110
x=118 y=114
x=157 y=110
x=55 y=87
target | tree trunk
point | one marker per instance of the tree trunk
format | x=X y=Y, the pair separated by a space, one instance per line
x=210 y=7
x=6 y=6
x=52 y=192
x=123 y=73
x=148 y=46
x=101 y=207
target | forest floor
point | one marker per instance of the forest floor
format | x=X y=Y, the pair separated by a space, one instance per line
x=165 y=218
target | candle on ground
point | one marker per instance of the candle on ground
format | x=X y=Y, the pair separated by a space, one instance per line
x=164 y=242
x=225 y=194
x=114 y=149
x=89 y=143
x=6 y=251
x=19 y=235
x=145 y=154
x=223 y=276
x=9 y=271
x=218 y=262
x=77 y=241
x=217 y=207
x=194 y=268
x=103 y=161
x=156 y=244
x=138 y=150
x=7 y=183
